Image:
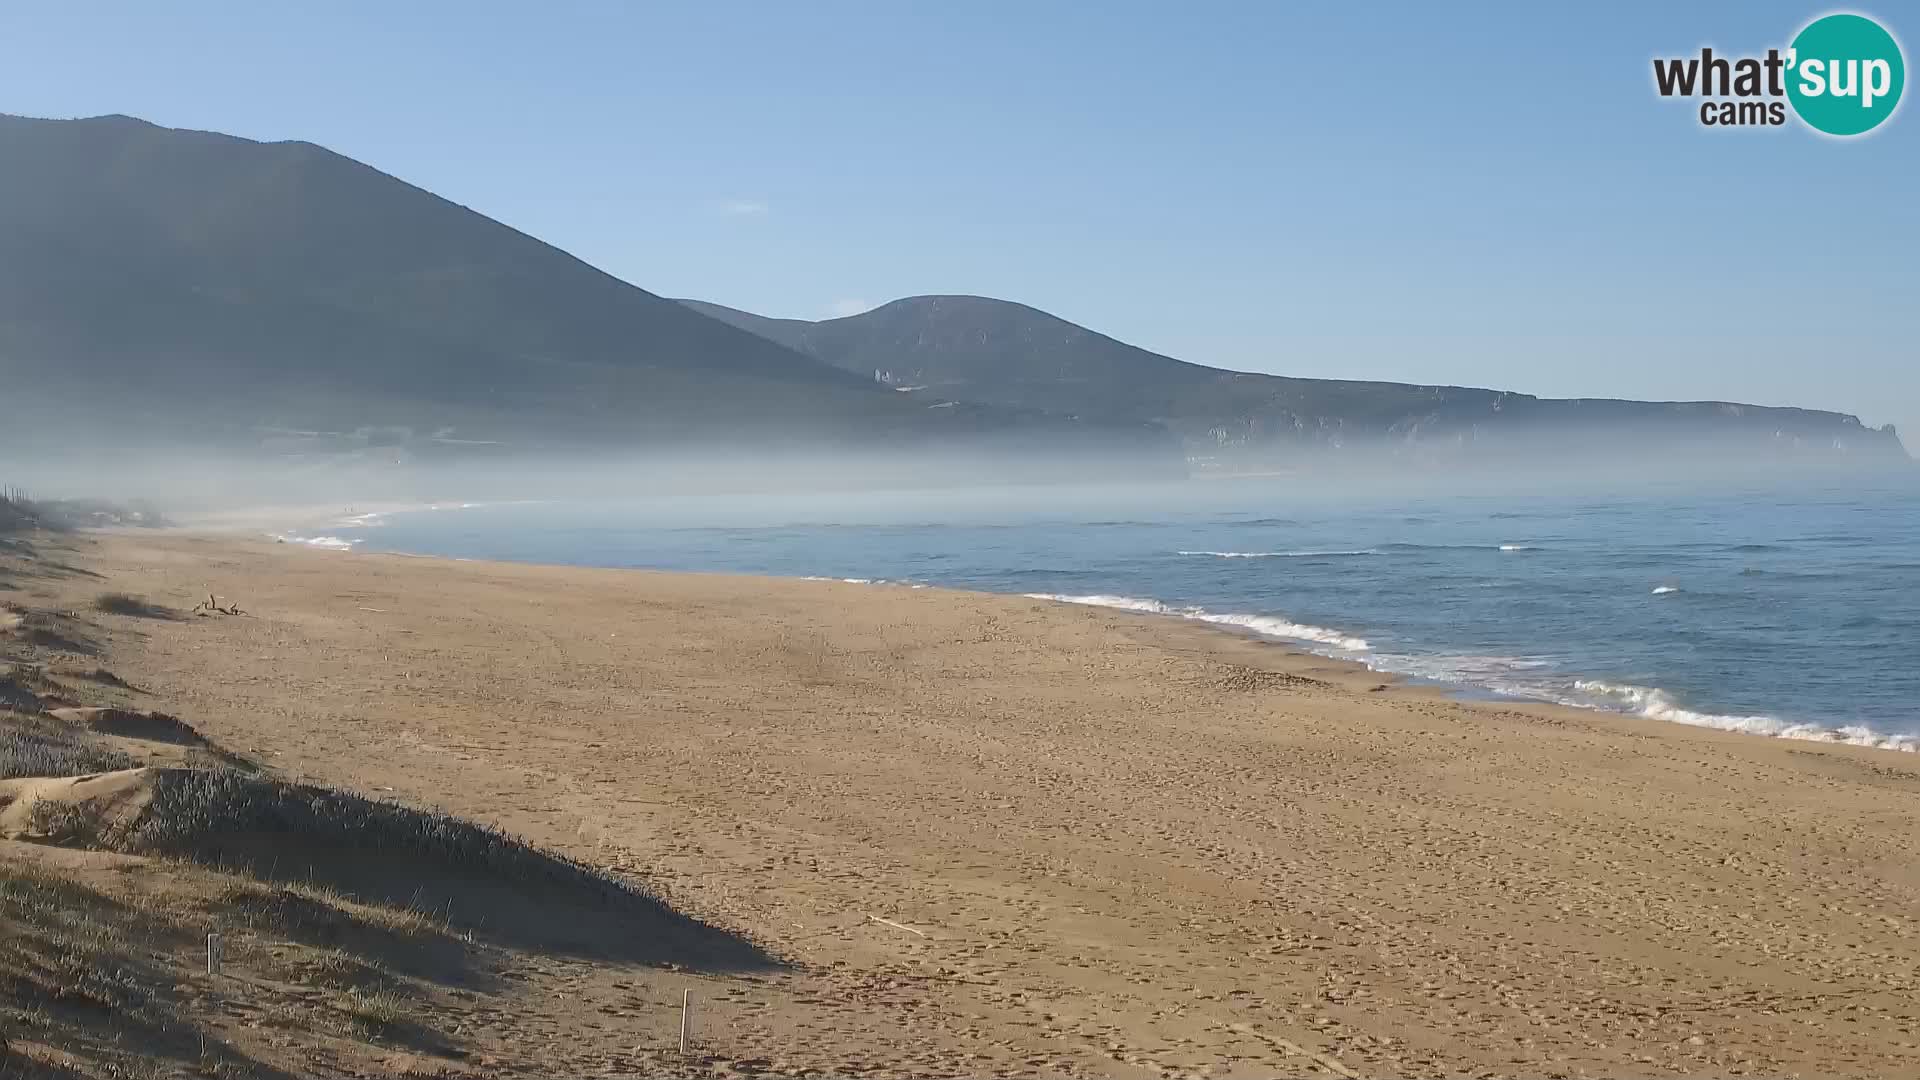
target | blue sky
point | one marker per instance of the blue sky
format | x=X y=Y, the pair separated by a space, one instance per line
x=1490 y=195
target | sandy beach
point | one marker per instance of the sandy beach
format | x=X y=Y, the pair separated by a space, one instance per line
x=990 y=835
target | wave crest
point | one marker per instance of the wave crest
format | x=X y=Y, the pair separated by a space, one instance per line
x=1280 y=554
x=1265 y=625
x=1656 y=704
x=331 y=543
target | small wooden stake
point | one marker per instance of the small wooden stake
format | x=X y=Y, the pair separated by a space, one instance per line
x=686 y=1019
x=896 y=926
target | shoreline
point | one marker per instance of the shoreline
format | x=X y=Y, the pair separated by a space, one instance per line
x=1290 y=653
x=1120 y=846
x=1648 y=703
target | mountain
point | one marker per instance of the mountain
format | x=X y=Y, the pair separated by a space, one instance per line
x=167 y=287
x=161 y=284
x=978 y=349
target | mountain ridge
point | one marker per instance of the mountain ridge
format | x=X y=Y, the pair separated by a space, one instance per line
x=985 y=349
x=168 y=284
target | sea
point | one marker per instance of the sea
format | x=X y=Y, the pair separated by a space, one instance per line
x=1784 y=610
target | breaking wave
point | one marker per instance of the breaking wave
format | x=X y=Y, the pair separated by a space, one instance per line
x=1656 y=704
x=331 y=543
x=1334 y=553
x=1265 y=625
x=1511 y=676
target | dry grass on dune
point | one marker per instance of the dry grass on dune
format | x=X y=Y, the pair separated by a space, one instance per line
x=18 y=513
x=217 y=815
x=100 y=970
x=138 y=607
x=34 y=745
x=347 y=916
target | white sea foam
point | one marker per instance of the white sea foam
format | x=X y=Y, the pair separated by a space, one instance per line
x=1491 y=672
x=865 y=581
x=1656 y=704
x=1509 y=675
x=1517 y=547
x=1279 y=554
x=1266 y=625
x=1285 y=628
x=1662 y=590
x=1124 y=603
x=331 y=543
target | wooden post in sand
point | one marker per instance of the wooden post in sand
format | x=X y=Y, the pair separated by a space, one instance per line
x=686 y=1020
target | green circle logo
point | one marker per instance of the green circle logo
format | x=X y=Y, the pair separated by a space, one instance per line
x=1845 y=74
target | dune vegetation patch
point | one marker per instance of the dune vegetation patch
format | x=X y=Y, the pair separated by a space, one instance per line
x=130 y=724
x=35 y=745
x=466 y=877
x=138 y=607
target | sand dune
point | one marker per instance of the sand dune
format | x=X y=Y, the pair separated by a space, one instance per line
x=111 y=798
x=997 y=835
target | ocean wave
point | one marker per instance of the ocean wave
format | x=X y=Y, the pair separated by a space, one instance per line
x=1280 y=554
x=1456 y=547
x=1265 y=625
x=1662 y=590
x=331 y=543
x=1657 y=704
x=1285 y=628
x=1790 y=575
x=1509 y=676
x=1124 y=603
x=1470 y=669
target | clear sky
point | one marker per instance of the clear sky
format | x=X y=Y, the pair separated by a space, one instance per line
x=1489 y=195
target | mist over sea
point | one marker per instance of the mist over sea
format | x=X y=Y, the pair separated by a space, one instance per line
x=1787 y=611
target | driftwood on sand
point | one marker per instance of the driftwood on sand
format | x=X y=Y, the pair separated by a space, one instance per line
x=211 y=606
